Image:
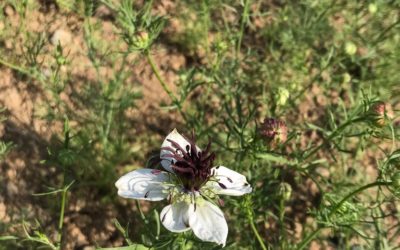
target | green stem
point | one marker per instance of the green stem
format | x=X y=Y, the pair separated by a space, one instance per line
x=307 y=240
x=281 y=223
x=249 y=212
x=163 y=83
x=358 y=190
x=332 y=135
x=253 y=227
x=61 y=220
x=141 y=212
x=242 y=25
x=21 y=70
x=160 y=79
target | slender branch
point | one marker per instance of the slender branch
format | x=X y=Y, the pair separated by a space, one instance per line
x=249 y=212
x=358 y=190
x=160 y=79
x=242 y=25
x=163 y=83
x=332 y=135
x=307 y=240
x=253 y=227
x=61 y=220
x=23 y=71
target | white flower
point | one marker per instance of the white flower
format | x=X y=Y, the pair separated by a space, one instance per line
x=190 y=183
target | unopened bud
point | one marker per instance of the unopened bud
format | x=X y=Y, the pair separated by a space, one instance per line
x=372 y=8
x=282 y=97
x=274 y=130
x=350 y=48
x=377 y=113
x=141 y=40
x=285 y=190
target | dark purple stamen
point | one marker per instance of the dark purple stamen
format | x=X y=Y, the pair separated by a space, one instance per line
x=222 y=185
x=146 y=194
x=193 y=167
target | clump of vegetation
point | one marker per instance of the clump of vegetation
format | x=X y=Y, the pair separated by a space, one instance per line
x=299 y=99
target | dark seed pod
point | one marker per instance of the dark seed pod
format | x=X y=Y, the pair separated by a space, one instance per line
x=377 y=113
x=273 y=130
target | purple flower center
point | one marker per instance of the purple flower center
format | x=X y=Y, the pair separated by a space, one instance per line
x=193 y=167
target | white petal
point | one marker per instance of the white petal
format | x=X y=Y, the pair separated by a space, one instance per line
x=175 y=217
x=208 y=222
x=229 y=182
x=144 y=184
x=181 y=141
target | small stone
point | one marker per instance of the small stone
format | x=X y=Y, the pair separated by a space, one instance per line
x=12 y=189
x=103 y=12
x=9 y=11
x=3 y=211
x=61 y=36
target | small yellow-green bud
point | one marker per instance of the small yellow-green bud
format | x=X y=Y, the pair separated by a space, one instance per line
x=282 y=97
x=346 y=78
x=350 y=48
x=141 y=40
x=285 y=190
x=221 y=46
x=372 y=8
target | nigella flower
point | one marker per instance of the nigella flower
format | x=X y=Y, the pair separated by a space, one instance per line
x=191 y=184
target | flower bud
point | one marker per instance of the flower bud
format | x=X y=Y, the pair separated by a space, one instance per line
x=141 y=40
x=350 y=48
x=372 y=8
x=285 y=190
x=274 y=130
x=282 y=97
x=377 y=113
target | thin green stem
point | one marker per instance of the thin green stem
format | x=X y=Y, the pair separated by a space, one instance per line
x=61 y=220
x=14 y=67
x=160 y=79
x=307 y=240
x=141 y=212
x=22 y=70
x=358 y=190
x=249 y=212
x=253 y=227
x=281 y=223
x=163 y=83
x=332 y=135
x=242 y=25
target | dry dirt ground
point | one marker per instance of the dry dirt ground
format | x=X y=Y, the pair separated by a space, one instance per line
x=22 y=98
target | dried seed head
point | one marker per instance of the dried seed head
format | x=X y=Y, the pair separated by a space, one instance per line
x=273 y=130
